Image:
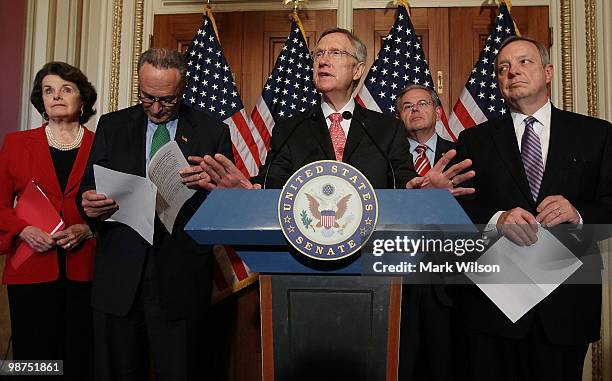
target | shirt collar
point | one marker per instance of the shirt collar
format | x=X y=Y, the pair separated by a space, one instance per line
x=328 y=110
x=431 y=143
x=542 y=115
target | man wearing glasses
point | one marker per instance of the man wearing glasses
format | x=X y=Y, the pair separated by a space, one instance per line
x=425 y=334
x=338 y=129
x=151 y=299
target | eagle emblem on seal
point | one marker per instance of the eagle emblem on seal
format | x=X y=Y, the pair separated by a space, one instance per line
x=326 y=216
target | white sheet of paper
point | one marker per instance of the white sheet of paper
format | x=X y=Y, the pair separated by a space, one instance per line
x=171 y=192
x=135 y=196
x=531 y=273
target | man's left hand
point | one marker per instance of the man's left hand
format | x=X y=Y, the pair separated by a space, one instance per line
x=438 y=177
x=555 y=210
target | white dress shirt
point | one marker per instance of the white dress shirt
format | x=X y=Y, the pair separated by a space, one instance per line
x=345 y=123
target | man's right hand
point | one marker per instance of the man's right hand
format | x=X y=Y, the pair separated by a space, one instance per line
x=519 y=226
x=220 y=172
x=97 y=205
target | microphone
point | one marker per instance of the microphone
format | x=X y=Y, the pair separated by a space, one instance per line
x=309 y=116
x=348 y=115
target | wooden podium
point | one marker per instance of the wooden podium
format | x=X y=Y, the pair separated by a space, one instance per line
x=319 y=321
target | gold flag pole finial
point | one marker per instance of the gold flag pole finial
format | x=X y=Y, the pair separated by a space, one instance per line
x=403 y=3
x=294 y=15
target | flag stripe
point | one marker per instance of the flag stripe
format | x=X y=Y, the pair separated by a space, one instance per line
x=263 y=120
x=239 y=267
x=242 y=149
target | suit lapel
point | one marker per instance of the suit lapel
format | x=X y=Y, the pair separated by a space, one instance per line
x=504 y=139
x=318 y=128
x=138 y=137
x=79 y=163
x=557 y=149
x=46 y=179
x=355 y=132
x=185 y=134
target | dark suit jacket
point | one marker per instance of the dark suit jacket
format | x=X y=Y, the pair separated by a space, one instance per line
x=578 y=167
x=309 y=141
x=442 y=147
x=183 y=267
x=25 y=156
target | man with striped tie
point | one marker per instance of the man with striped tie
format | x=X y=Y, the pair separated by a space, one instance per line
x=537 y=167
x=419 y=108
x=425 y=339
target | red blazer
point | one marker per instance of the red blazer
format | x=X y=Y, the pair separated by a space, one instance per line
x=24 y=157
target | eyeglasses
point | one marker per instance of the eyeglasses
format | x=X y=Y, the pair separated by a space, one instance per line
x=148 y=100
x=333 y=54
x=419 y=105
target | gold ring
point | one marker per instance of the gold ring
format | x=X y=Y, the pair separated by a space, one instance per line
x=453 y=183
x=68 y=245
x=558 y=211
x=200 y=176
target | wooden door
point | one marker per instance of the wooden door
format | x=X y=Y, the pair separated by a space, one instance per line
x=431 y=26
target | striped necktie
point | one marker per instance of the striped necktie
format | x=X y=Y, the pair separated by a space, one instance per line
x=422 y=164
x=531 y=153
x=161 y=136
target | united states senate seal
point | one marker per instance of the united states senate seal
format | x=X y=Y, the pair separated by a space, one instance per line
x=327 y=210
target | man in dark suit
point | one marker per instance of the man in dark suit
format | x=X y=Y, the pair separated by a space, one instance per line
x=536 y=165
x=338 y=129
x=151 y=299
x=425 y=334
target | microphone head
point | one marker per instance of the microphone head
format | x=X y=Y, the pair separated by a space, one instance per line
x=347 y=115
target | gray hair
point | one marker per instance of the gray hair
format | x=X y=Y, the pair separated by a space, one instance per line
x=164 y=58
x=544 y=56
x=434 y=96
x=361 y=52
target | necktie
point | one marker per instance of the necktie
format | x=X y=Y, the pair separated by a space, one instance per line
x=531 y=153
x=337 y=135
x=161 y=136
x=422 y=164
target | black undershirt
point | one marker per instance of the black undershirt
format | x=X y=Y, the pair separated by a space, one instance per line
x=63 y=161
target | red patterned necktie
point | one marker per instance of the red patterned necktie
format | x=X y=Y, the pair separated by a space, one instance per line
x=422 y=164
x=337 y=135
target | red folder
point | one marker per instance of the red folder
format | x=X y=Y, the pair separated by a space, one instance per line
x=34 y=207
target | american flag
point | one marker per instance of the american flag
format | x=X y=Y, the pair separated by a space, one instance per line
x=289 y=88
x=210 y=87
x=399 y=63
x=480 y=99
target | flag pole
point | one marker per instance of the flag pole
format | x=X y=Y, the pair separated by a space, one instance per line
x=208 y=12
x=509 y=5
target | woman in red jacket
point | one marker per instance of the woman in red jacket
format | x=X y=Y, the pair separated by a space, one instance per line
x=49 y=292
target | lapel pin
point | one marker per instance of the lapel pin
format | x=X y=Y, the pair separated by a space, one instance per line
x=184 y=138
